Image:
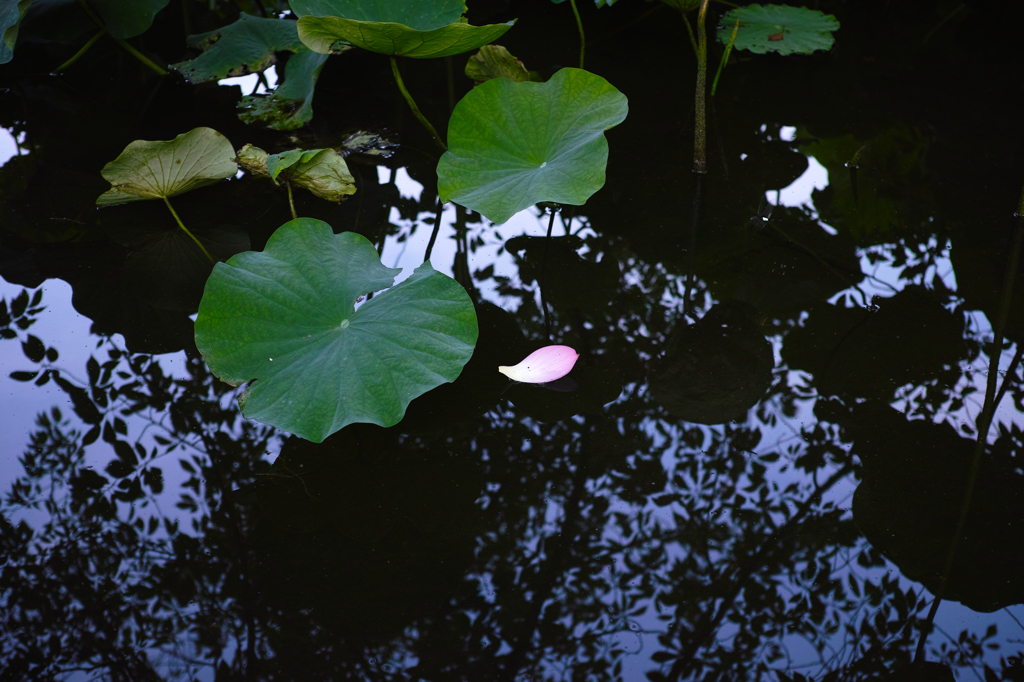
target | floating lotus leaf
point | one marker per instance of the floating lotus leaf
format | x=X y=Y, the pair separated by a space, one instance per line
x=411 y=28
x=779 y=28
x=284 y=320
x=244 y=47
x=511 y=145
x=158 y=170
x=322 y=171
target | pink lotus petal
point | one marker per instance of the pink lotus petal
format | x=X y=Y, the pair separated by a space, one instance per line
x=544 y=365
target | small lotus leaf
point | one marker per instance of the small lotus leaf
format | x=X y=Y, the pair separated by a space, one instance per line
x=291 y=103
x=511 y=145
x=284 y=320
x=244 y=47
x=779 y=28
x=494 y=61
x=127 y=18
x=411 y=28
x=322 y=171
x=11 y=15
x=156 y=170
x=321 y=34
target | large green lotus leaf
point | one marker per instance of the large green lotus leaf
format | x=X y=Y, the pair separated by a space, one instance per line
x=421 y=15
x=322 y=171
x=11 y=15
x=284 y=320
x=246 y=46
x=779 y=28
x=291 y=104
x=511 y=145
x=321 y=34
x=156 y=170
x=127 y=18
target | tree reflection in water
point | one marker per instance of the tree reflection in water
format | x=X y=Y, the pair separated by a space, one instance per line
x=764 y=489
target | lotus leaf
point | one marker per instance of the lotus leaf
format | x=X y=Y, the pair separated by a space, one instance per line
x=246 y=46
x=412 y=28
x=514 y=144
x=494 y=61
x=158 y=170
x=291 y=104
x=779 y=28
x=322 y=171
x=127 y=18
x=284 y=320
x=421 y=15
x=10 y=20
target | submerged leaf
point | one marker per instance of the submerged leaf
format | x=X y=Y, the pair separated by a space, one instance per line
x=244 y=47
x=411 y=28
x=541 y=366
x=169 y=269
x=285 y=321
x=322 y=171
x=779 y=28
x=511 y=145
x=158 y=170
x=494 y=61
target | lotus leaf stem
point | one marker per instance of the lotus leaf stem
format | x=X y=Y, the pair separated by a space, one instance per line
x=415 y=109
x=185 y=230
x=700 y=162
x=123 y=43
x=291 y=201
x=579 y=26
x=85 y=48
x=725 y=57
x=437 y=228
x=689 y=31
x=141 y=57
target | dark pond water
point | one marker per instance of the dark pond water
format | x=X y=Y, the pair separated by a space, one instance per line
x=775 y=435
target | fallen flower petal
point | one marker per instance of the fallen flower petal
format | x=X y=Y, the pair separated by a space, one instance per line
x=543 y=365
